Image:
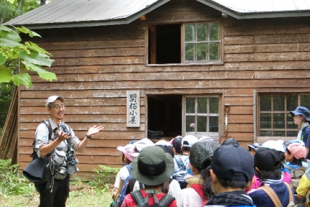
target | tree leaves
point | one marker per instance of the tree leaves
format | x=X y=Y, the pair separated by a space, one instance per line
x=22 y=78
x=29 y=56
x=5 y=75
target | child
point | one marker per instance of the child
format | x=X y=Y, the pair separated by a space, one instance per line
x=124 y=171
x=153 y=167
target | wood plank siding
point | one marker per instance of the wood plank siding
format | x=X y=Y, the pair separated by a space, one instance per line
x=96 y=66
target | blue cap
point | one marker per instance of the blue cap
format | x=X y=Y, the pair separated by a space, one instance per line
x=303 y=111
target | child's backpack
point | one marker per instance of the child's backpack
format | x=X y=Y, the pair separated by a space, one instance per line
x=141 y=201
x=181 y=172
x=122 y=195
x=296 y=175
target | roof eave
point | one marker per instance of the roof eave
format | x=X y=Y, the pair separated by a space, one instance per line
x=107 y=22
x=253 y=15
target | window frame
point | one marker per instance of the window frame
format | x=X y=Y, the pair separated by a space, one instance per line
x=183 y=43
x=182 y=52
x=214 y=135
x=286 y=112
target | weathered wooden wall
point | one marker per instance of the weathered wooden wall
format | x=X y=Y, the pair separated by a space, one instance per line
x=96 y=66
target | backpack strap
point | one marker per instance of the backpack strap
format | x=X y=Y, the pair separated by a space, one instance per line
x=138 y=197
x=166 y=200
x=198 y=188
x=49 y=127
x=180 y=163
x=272 y=195
x=140 y=200
x=290 y=192
x=50 y=131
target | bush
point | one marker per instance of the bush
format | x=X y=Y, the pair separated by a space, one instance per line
x=11 y=183
x=104 y=177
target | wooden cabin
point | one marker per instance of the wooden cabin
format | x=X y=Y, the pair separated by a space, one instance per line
x=160 y=68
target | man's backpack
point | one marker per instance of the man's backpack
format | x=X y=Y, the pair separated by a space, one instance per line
x=141 y=201
x=120 y=198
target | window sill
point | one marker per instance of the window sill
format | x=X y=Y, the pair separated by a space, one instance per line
x=184 y=64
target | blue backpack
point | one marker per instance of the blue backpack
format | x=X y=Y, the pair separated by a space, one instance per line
x=120 y=198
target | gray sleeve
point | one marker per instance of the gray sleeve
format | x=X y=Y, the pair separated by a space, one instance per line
x=41 y=138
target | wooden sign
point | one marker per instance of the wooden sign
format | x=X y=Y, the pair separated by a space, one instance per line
x=133 y=108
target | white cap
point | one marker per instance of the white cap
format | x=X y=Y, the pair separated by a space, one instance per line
x=189 y=140
x=141 y=144
x=53 y=98
x=163 y=143
x=277 y=145
x=145 y=142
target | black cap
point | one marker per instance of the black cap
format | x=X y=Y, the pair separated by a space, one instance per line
x=267 y=159
x=232 y=162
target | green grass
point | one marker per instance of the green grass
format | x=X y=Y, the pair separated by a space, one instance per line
x=80 y=196
x=15 y=190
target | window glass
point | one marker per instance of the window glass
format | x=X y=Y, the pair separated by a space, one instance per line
x=214 y=51
x=214 y=105
x=279 y=133
x=189 y=51
x=201 y=124
x=292 y=133
x=202 y=32
x=278 y=121
x=305 y=101
x=202 y=51
x=189 y=32
x=275 y=118
x=265 y=103
x=214 y=31
x=202 y=42
x=189 y=121
x=278 y=103
x=291 y=102
x=213 y=127
x=190 y=105
x=290 y=122
x=265 y=121
x=202 y=105
x=265 y=133
x=203 y=112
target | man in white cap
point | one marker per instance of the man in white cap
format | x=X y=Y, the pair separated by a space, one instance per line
x=55 y=139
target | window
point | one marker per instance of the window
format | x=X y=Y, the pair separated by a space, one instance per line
x=274 y=115
x=202 y=115
x=184 y=43
x=201 y=42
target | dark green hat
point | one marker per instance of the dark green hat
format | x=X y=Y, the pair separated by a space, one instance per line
x=153 y=166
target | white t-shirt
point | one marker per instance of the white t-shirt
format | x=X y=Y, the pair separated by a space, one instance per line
x=174 y=188
x=122 y=174
x=188 y=197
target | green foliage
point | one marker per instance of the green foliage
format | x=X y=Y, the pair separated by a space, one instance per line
x=104 y=176
x=5 y=100
x=10 y=9
x=10 y=181
x=27 y=57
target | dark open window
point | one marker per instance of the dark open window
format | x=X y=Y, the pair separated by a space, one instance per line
x=164 y=44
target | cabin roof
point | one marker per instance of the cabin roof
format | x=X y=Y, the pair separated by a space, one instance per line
x=87 y=13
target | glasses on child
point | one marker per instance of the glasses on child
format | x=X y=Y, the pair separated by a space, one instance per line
x=57 y=107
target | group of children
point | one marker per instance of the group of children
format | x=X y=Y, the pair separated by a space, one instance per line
x=191 y=172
